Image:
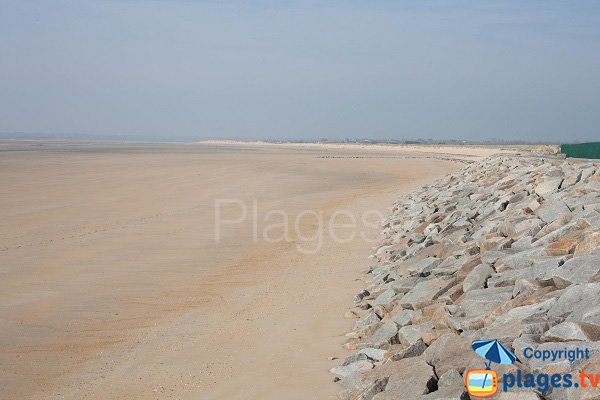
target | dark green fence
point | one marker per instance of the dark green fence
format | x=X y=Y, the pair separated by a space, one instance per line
x=581 y=150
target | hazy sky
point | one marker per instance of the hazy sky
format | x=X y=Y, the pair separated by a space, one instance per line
x=303 y=69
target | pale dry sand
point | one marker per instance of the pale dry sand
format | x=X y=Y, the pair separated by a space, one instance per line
x=113 y=287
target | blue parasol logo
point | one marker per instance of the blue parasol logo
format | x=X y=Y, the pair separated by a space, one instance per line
x=484 y=383
x=493 y=351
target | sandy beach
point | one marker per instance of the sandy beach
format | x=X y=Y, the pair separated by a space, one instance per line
x=299 y=200
x=114 y=286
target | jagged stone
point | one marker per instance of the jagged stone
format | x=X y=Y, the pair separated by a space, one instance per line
x=528 y=225
x=578 y=303
x=491 y=257
x=358 y=366
x=411 y=334
x=464 y=324
x=587 y=172
x=576 y=270
x=452 y=294
x=544 y=270
x=477 y=278
x=450 y=386
x=366 y=392
x=417 y=237
x=574 y=229
x=467 y=264
x=552 y=210
x=524 y=243
x=532 y=205
x=561 y=247
x=483 y=301
x=369 y=319
x=405 y=317
x=436 y=313
x=526 y=287
x=549 y=185
x=572 y=331
x=384 y=336
x=383 y=310
x=425 y=292
x=384 y=298
x=408 y=379
x=520 y=260
x=355 y=357
x=424 y=267
x=589 y=244
x=413 y=350
x=405 y=284
x=449 y=352
x=361 y=295
x=519 y=320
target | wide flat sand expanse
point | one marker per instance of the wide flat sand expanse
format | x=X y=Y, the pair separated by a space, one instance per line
x=113 y=285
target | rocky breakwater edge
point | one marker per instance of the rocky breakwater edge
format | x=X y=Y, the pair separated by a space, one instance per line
x=508 y=248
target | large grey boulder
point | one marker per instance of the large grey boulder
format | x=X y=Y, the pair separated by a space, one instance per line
x=587 y=172
x=552 y=210
x=353 y=383
x=509 y=277
x=524 y=243
x=544 y=270
x=386 y=335
x=369 y=354
x=425 y=292
x=483 y=301
x=520 y=260
x=490 y=257
x=465 y=324
x=529 y=225
x=424 y=267
x=526 y=287
x=578 y=303
x=384 y=298
x=588 y=245
x=450 y=351
x=520 y=320
x=408 y=379
x=358 y=366
x=355 y=357
x=477 y=278
x=450 y=386
x=572 y=331
x=404 y=284
x=573 y=228
x=363 y=390
x=576 y=270
x=411 y=334
x=404 y=317
x=548 y=185
x=414 y=350
x=369 y=319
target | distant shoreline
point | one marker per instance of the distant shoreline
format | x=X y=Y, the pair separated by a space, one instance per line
x=470 y=151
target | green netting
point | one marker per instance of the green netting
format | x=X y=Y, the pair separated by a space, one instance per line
x=581 y=150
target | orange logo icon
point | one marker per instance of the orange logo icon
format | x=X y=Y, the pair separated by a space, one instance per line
x=481 y=382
